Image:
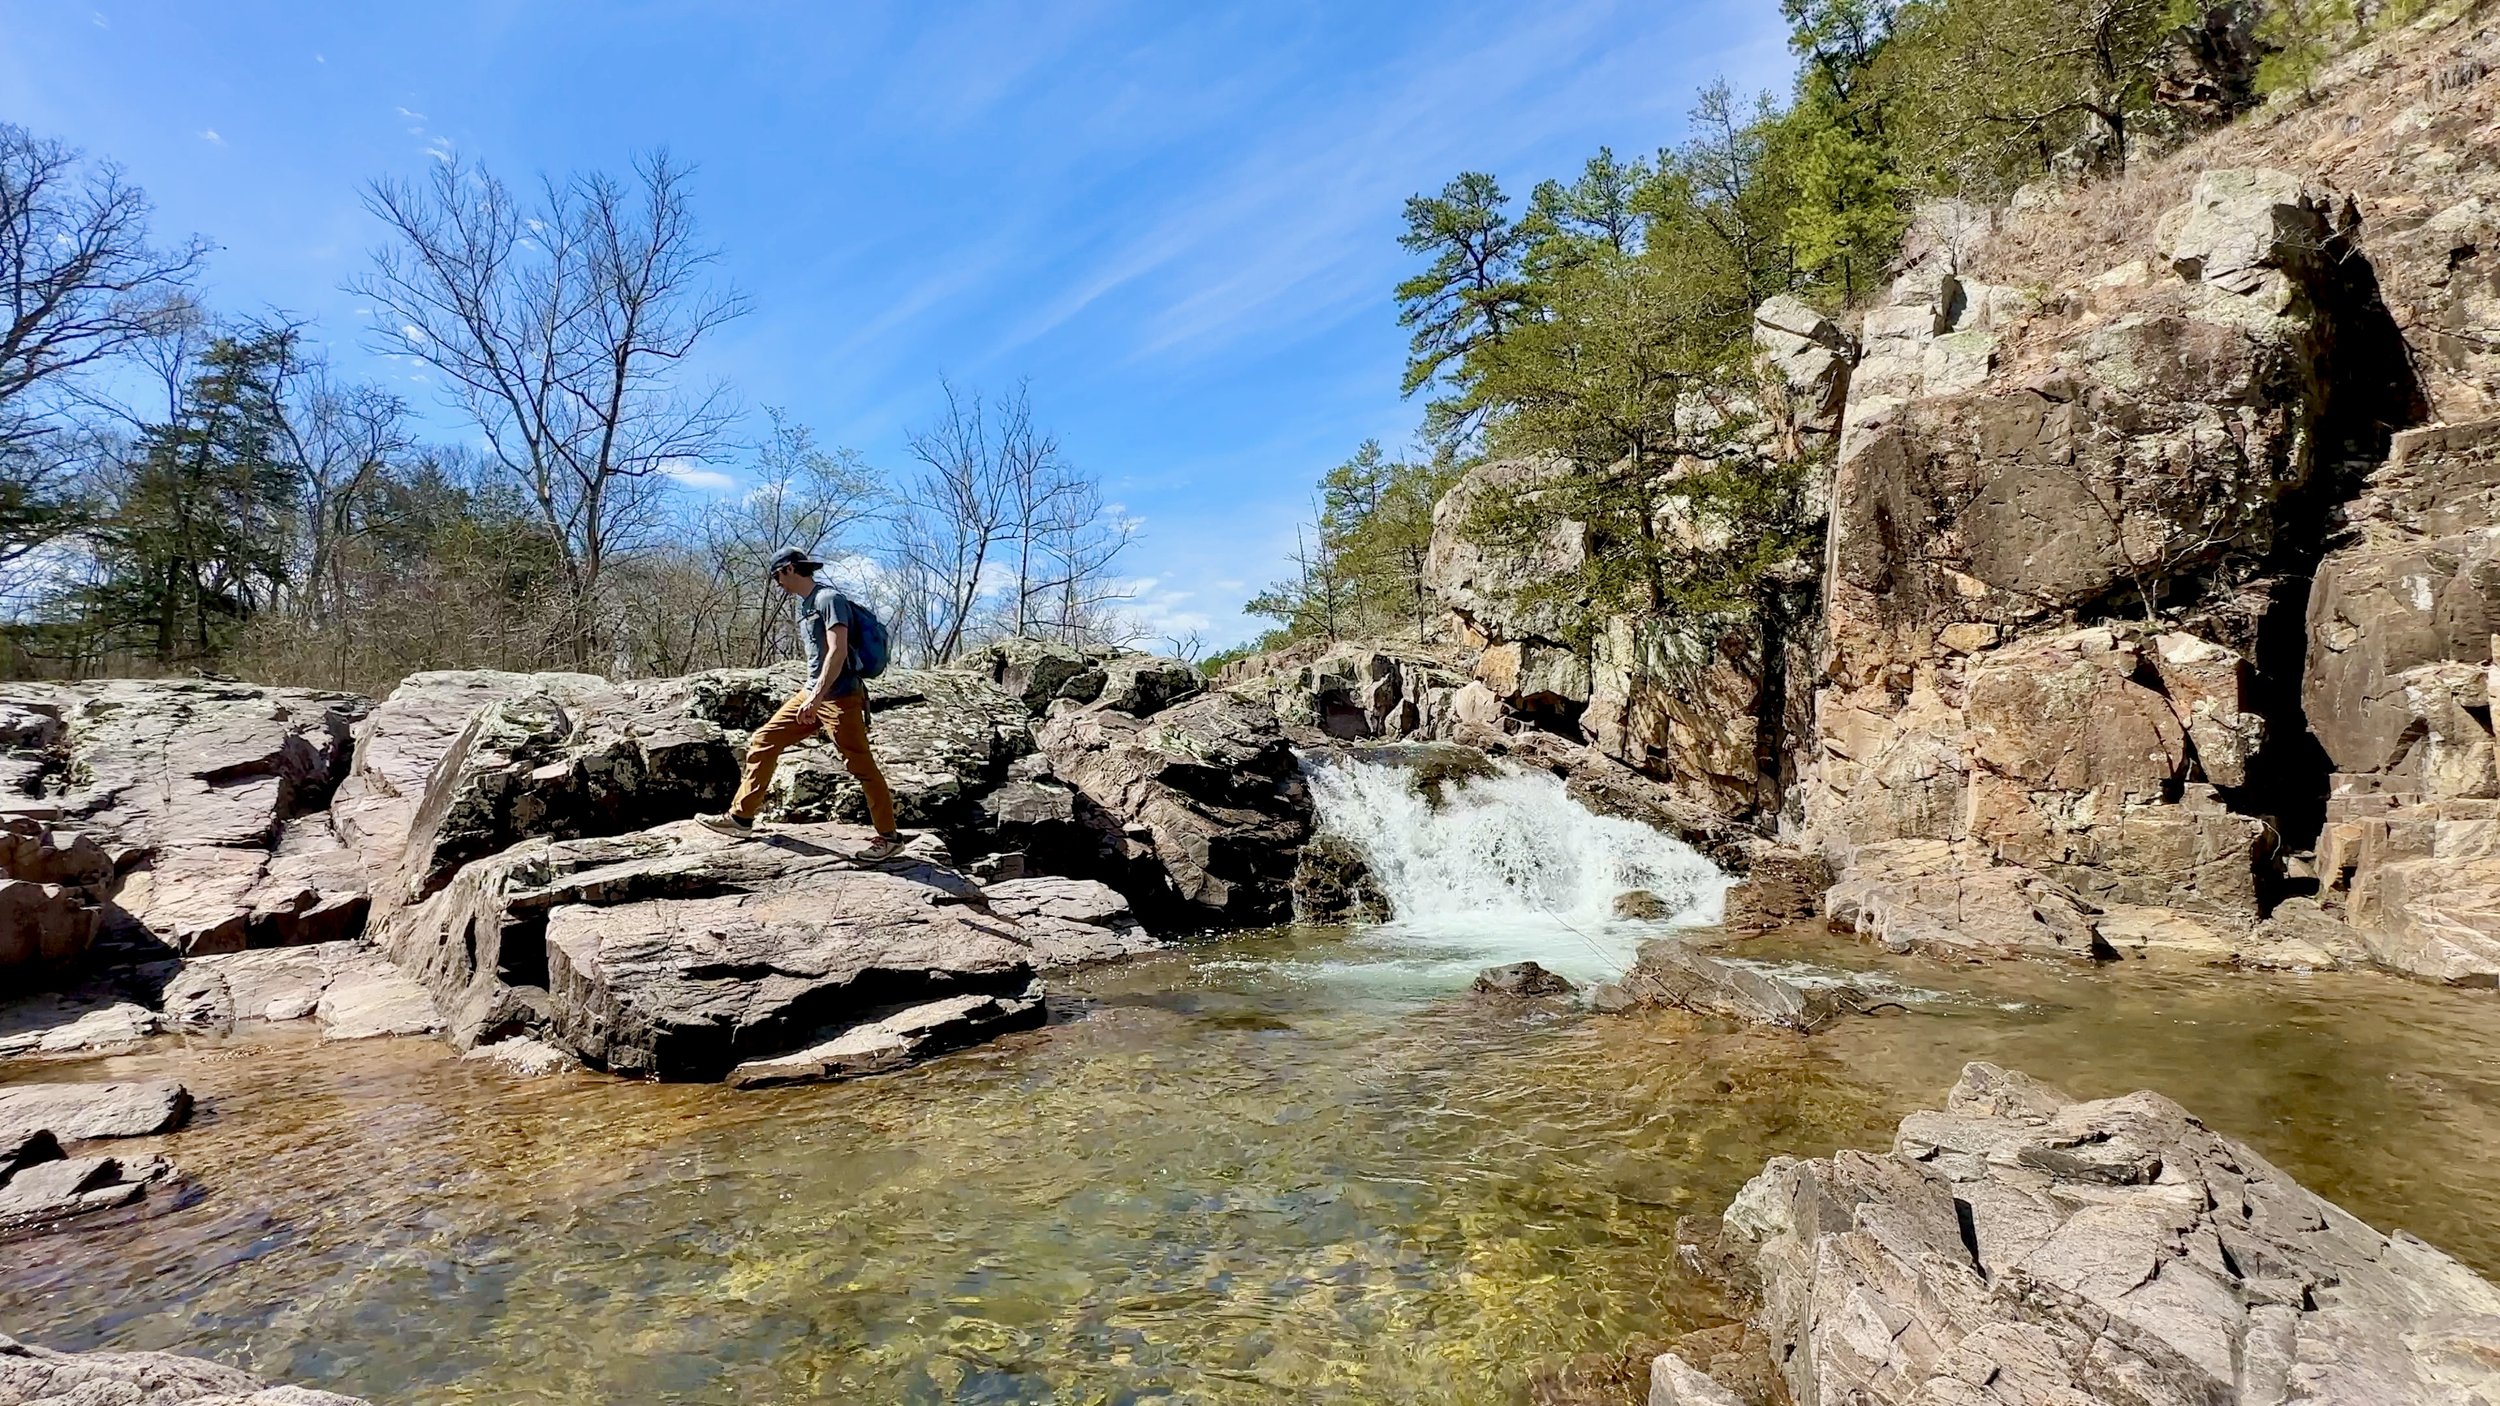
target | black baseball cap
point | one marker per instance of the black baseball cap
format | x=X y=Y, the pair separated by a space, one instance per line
x=794 y=559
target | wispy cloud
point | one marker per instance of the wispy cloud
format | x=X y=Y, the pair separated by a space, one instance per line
x=695 y=476
x=209 y=135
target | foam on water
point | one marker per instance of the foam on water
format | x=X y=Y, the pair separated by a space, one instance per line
x=1507 y=868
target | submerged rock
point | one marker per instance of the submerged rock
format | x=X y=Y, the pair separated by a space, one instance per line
x=33 y=1374
x=2019 y=1248
x=79 y=1112
x=1521 y=979
x=1673 y=972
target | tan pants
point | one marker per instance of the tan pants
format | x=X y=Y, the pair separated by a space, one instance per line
x=845 y=720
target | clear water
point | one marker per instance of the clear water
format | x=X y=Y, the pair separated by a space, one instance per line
x=1290 y=1167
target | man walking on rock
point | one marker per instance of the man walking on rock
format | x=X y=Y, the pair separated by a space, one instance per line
x=836 y=699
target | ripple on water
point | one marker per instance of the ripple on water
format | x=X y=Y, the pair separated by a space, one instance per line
x=1259 y=1172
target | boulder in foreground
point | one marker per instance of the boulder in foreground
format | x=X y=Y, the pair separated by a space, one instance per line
x=2020 y=1248
x=678 y=953
x=34 y=1374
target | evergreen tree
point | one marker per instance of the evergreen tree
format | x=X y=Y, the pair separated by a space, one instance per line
x=198 y=535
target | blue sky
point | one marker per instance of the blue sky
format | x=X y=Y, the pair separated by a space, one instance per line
x=1178 y=220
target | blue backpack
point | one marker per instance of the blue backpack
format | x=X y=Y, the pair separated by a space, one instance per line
x=871 y=650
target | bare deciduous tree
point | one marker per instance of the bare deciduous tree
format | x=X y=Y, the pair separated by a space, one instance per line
x=79 y=283
x=804 y=497
x=561 y=325
x=957 y=515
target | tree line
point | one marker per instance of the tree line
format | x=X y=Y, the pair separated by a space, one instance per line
x=1602 y=327
x=184 y=490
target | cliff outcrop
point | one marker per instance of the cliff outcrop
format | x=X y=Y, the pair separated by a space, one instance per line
x=2159 y=598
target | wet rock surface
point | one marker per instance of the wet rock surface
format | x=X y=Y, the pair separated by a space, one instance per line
x=883 y=1041
x=1521 y=979
x=1673 y=972
x=2021 y=1247
x=38 y=1375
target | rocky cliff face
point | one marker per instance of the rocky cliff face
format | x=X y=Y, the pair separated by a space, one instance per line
x=2159 y=584
x=2083 y=489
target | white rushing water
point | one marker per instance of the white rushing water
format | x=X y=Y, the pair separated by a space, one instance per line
x=1508 y=868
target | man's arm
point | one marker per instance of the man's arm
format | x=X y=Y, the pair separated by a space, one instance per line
x=837 y=658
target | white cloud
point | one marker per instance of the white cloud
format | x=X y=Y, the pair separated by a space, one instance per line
x=406 y=113
x=317 y=58
x=439 y=149
x=100 y=21
x=209 y=135
x=690 y=475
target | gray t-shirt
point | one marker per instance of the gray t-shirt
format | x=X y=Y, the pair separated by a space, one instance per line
x=818 y=611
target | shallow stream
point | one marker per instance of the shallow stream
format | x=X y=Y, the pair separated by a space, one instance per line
x=1294 y=1166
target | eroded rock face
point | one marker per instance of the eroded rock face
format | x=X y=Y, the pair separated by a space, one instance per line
x=1202 y=804
x=33 y=1374
x=1360 y=692
x=2401 y=656
x=204 y=796
x=2007 y=465
x=2022 y=1249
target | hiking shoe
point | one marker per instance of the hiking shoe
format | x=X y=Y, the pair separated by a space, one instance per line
x=885 y=847
x=727 y=824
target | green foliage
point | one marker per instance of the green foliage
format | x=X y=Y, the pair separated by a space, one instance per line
x=1637 y=388
x=199 y=529
x=1473 y=288
x=1986 y=94
x=1359 y=566
x=1847 y=218
x=2299 y=37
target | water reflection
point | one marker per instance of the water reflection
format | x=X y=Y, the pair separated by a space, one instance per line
x=1236 y=1175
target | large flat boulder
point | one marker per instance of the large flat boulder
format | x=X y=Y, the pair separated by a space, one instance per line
x=1069 y=922
x=78 y=1112
x=1202 y=803
x=2018 y=1248
x=1948 y=900
x=680 y=953
x=39 y=1375
x=204 y=795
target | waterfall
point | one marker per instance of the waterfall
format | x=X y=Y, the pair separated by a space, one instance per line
x=1508 y=868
